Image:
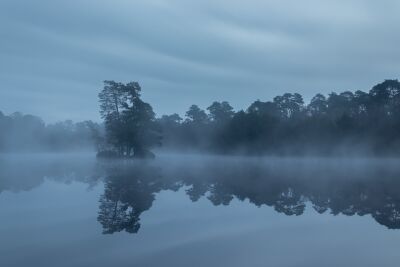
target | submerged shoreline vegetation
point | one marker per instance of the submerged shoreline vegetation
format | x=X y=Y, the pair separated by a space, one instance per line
x=347 y=123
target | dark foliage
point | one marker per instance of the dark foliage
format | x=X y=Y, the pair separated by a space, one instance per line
x=340 y=123
x=130 y=127
x=359 y=122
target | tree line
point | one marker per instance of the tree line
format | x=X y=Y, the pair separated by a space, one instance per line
x=19 y=132
x=346 y=122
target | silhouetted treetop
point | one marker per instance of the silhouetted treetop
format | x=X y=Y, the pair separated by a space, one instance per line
x=220 y=111
x=196 y=115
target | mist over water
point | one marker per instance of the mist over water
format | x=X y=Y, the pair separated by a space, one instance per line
x=180 y=210
x=199 y=133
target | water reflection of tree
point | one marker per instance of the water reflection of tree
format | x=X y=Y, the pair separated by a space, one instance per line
x=129 y=191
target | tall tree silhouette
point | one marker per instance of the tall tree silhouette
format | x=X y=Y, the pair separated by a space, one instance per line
x=129 y=122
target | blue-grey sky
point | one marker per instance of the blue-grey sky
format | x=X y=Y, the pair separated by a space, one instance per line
x=55 y=54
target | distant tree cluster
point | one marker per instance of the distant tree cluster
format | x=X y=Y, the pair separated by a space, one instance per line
x=357 y=122
x=20 y=132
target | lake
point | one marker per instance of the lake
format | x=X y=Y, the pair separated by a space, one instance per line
x=192 y=210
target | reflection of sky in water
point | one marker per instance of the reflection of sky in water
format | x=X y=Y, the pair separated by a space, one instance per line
x=55 y=224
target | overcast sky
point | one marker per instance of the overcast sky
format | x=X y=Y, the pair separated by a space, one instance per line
x=54 y=55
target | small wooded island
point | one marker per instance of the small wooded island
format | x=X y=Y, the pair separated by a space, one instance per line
x=130 y=127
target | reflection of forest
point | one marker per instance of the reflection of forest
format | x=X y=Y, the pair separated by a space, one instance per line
x=286 y=186
x=349 y=188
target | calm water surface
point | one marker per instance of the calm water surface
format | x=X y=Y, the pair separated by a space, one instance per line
x=73 y=210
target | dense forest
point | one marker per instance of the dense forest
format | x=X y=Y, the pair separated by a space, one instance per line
x=359 y=122
x=347 y=122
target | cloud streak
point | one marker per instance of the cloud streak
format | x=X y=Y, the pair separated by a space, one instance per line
x=55 y=54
